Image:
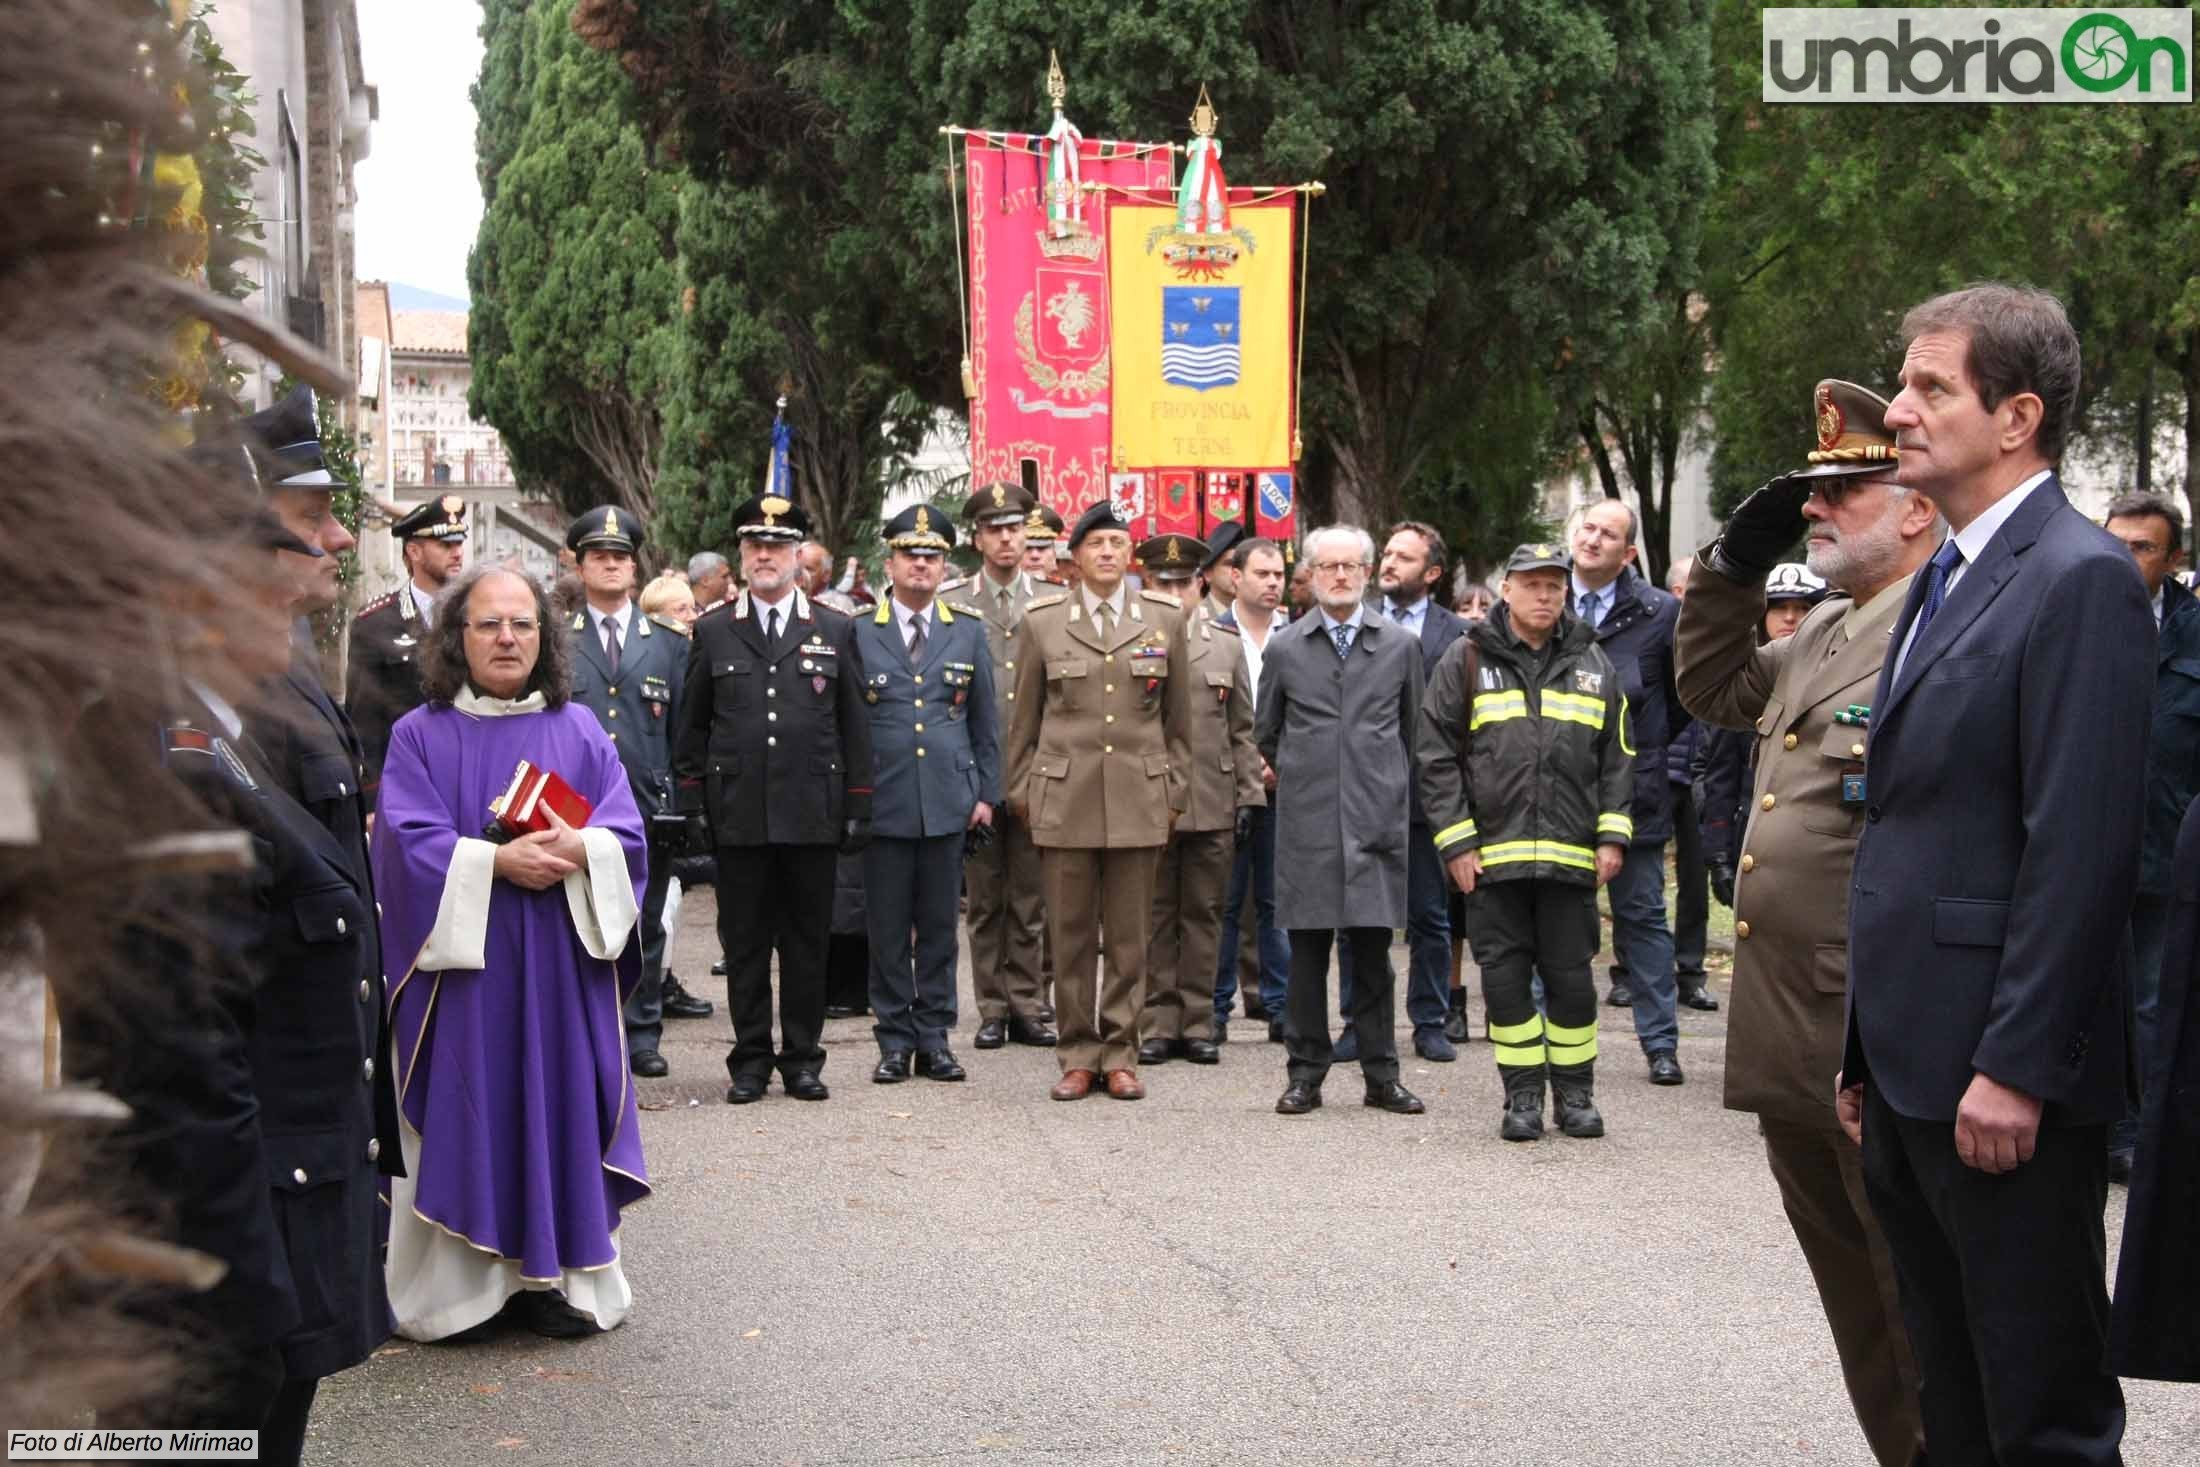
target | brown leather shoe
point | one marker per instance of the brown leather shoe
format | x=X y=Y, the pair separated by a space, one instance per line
x=1074 y=1085
x=1123 y=1085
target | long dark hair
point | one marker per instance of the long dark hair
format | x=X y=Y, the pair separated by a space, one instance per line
x=443 y=673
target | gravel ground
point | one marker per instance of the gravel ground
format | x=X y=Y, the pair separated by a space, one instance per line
x=970 y=1273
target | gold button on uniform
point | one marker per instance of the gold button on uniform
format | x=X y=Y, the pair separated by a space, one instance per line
x=366 y=1069
x=1741 y=929
x=771 y=692
x=920 y=728
x=919 y=702
x=1788 y=742
x=611 y=713
x=1107 y=748
x=366 y=989
x=1768 y=802
x=771 y=741
x=1109 y=719
x=771 y=718
x=374 y=1149
x=920 y=751
x=1109 y=688
x=1857 y=750
x=299 y=1176
x=1749 y=863
x=340 y=927
x=1109 y=657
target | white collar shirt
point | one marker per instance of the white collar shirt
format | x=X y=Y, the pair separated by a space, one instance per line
x=1971 y=542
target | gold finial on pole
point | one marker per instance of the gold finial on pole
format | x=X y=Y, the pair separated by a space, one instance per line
x=1057 y=84
x=1203 y=115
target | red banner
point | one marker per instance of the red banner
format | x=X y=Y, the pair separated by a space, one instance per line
x=1039 y=316
x=1176 y=502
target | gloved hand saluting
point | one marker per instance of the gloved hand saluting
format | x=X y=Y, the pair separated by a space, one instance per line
x=1762 y=529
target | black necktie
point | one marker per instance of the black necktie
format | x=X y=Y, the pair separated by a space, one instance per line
x=771 y=624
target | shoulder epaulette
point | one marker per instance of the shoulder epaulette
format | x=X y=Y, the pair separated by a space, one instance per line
x=970 y=611
x=1047 y=580
x=380 y=603
x=1158 y=599
x=1222 y=626
x=1042 y=602
x=820 y=610
x=671 y=624
x=955 y=585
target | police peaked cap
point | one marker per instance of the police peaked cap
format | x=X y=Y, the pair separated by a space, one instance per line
x=1102 y=516
x=441 y=518
x=999 y=503
x=920 y=530
x=606 y=527
x=1793 y=581
x=1172 y=557
x=1537 y=555
x=285 y=441
x=773 y=518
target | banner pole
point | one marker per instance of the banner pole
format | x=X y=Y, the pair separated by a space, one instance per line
x=962 y=300
x=1298 y=373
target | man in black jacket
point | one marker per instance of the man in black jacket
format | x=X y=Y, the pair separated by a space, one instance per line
x=774 y=754
x=1633 y=621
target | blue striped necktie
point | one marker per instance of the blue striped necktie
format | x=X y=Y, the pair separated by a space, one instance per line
x=1943 y=564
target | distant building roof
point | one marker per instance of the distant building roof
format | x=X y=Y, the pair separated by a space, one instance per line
x=442 y=333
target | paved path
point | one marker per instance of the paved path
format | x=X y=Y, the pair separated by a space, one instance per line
x=970 y=1273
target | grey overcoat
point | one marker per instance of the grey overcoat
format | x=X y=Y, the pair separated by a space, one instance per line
x=1339 y=733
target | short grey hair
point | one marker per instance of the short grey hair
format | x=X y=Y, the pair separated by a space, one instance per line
x=1363 y=542
x=1678 y=569
x=704 y=563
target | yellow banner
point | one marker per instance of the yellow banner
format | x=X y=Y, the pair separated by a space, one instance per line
x=1199 y=332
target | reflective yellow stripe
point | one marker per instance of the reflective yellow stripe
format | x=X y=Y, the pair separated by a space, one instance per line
x=1517 y=1033
x=1622 y=826
x=1574 y=708
x=1573 y=1054
x=1556 y=852
x=1497 y=707
x=1517 y=1055
x=1626 y=745
x=1464 y=830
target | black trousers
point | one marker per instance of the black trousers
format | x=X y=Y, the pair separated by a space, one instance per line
x=775 y=899
x=910 y=890
x=1691 y=891
x=2003 y=1291
x=1520 y=928
x=1373 y=1014
x=645 y=1006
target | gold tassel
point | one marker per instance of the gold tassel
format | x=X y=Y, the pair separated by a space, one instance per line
x=970 y=377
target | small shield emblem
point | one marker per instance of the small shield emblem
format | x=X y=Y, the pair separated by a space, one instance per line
x=818 y=684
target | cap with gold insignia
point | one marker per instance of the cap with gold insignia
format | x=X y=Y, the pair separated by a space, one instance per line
x=1537 y=555
x=285 y=441
x=1043 y=526
x=1852 y=433
x=998 y=503
x=921 y=530
x=772 y=518
x=1793 y=581
x=1102 y=516
x=606 y=527
x=1227 y=537
x=441 y=518
x=1172 y=557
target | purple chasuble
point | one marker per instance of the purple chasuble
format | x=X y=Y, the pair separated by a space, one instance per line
x=515 y=1075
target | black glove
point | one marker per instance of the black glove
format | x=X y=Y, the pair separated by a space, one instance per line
x=1721 y=871
x=1248 y=822
x=1762 y=529
x=978 y=837
x=855 y=834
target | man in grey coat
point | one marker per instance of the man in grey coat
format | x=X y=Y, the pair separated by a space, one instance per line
x=1340 y=702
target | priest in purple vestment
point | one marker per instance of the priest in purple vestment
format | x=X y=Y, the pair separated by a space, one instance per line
x=509 y=964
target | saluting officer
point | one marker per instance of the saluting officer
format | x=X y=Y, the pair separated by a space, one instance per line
x=929 y=683
x=382 y=684
x=628 y=673
x=1098 y=752
x=1002 y=876
x=774 y=753
x=1223 y=799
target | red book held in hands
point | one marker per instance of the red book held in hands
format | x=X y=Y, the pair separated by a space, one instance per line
x=524 y=806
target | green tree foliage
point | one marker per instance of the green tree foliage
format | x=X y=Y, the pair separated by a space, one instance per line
x=1512 y=185
x=574 y=277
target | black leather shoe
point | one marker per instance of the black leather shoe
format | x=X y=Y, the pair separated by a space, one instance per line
x=1045 y=1013
x=718 y=969
x=1275 y=1031
x=992 y=1034
x=1455 y=1026
x=546 y=1312
x=840 y=1011
x=1038 y=1033
x=940 y=1064
x=648 y=1064
x=1222 y=1030
x=1621 y=997
x=804 y=1085
x=1256 y=1010
x=1298 y=1098
x=1699 y=998
x=1202 y=1052
x=1154 y=1052
x=681 y=1004
x=893 y=1068
x=746 y=1090
x=1665 y=1068
x=1391 y=1096
x=1578 y=1115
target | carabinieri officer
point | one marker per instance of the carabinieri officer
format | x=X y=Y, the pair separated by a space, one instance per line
x=928 y=682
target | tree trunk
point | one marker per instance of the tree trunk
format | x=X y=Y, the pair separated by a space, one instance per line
x=2192 y=429
x=2144 y=468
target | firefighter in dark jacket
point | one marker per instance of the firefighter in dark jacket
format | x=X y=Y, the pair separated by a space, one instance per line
x=1527 y=773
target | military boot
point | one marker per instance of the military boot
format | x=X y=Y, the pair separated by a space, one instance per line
x=1523 y=1102
x=1574 y=1089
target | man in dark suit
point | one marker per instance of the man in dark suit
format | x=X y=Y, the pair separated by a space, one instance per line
x=1984 y=1057
x=774 y=754
x=628 y=670
x=929 y=687
x=383 y=681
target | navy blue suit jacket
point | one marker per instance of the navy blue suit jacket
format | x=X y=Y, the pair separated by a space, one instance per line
x=1990 y=905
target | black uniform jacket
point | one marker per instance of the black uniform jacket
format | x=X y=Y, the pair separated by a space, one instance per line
x=636 y=705
x=382 y=680
x=775 y=738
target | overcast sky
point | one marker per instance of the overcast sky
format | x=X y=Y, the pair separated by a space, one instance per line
x=419 y=202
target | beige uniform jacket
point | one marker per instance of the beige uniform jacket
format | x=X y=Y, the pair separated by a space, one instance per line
x=1225 y=772
x=1099 y=743
x=982 y=595
x=1791 y=889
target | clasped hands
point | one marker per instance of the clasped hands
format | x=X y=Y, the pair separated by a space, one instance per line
x=1997 y=1125
x=544 y=858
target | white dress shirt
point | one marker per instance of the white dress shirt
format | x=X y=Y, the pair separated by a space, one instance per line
x=1256 y=651
x=1114 y=603
x=624 y=617
x=1411 y=618
x=907 y=619
x=425 y=600
x=1971 y=542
